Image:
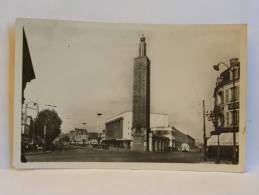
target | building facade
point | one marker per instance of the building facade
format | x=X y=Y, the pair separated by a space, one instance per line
x=162 y=136
x=81 y=136
x=119 y=128
x=180 y=138
x=78 y=136
x=226 y=113
x=141 y=100
x=161 y=139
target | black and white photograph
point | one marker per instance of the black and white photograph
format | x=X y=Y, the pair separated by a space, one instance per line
x=130 y=96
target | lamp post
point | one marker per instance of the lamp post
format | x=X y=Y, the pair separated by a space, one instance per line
x=27 y=107
x=84 y=125
x=231 y=68
x=84 y=133
x=25 y=113
x=99 y=127
x=49 y=105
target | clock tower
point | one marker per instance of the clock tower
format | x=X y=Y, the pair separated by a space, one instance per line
x=141 y=100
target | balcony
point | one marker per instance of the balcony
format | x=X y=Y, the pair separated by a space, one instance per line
x=224 y=130
x=233 y=105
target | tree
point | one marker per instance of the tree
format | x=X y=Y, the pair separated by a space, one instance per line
x=50 y=120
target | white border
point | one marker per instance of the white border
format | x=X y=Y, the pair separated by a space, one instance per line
x=126 y=165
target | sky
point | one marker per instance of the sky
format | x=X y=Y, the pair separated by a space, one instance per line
x=87 y=68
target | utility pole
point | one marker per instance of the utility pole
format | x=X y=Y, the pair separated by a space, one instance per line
x=218 y=151
x=204 y=134
x=99 y=128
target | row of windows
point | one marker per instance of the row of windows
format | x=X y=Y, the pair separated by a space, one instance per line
x=227 y=76
x=236 y=74
x=232 y=118
x=114 y=128
x=232 y=94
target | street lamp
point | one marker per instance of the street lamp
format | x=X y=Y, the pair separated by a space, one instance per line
x=99 y=130
x=49 y=105
x=216 y=66
x=231 y=68
x=84 y=133
x=27 y=107
x=25 y=113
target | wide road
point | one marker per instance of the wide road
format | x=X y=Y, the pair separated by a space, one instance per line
x=98 y=155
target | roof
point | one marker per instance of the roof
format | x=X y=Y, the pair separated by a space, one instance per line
x=122 y=113
x=161 y=129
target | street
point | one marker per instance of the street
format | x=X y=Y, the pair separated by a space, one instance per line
x=85 y=154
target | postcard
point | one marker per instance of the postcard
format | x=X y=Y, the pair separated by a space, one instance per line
x=129 y=96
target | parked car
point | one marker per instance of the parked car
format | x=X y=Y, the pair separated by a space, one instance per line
x=185 y=147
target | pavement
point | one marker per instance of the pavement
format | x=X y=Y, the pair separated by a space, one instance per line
x=85 y=154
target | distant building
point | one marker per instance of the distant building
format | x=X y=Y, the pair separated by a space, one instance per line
x=181 y=138
x=93 y=135
x=190 y=141
x=81 y=136
x=78 y=136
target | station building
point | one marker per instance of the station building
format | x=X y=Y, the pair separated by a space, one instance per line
x=118 y=133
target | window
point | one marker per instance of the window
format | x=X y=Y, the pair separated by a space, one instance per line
x=227 y=95
x=234 y=93
x=237 y=93
x=235 y=117
x=220 y=97
x=227 y=118
x=236 y=75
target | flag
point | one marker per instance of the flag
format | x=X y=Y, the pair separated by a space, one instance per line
x=27 y=67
